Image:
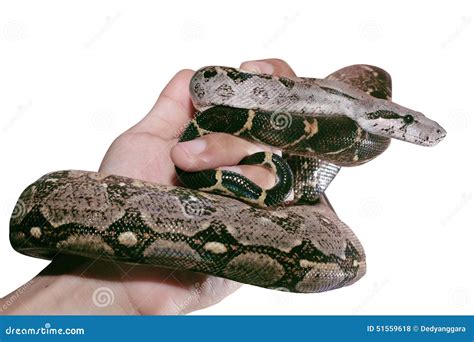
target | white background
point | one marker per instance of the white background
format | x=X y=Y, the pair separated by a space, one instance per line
x=73 y=77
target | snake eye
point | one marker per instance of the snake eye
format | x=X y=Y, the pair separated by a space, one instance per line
x=408 y=119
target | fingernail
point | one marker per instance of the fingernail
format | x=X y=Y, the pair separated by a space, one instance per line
x=277 y=151
x=256 y=147
x=195 y=147
x=291 y=196
x=259 y=67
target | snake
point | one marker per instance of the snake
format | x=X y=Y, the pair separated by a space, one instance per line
x=218 y=222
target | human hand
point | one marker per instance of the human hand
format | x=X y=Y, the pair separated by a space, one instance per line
x=148 y=151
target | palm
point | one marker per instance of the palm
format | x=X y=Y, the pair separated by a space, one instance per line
x=150 y=289
x=147 y=151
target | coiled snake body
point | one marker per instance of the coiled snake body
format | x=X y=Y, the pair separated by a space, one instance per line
x=301 y=246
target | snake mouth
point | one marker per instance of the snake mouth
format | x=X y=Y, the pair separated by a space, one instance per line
x=391 y=120
x=428 y=133
x=422 y=131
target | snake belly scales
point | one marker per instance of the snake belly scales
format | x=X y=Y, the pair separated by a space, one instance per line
x=229 y=227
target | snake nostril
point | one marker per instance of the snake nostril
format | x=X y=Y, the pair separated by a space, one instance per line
x=438 y=131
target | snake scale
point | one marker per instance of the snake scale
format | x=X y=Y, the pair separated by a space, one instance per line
x=227 y=226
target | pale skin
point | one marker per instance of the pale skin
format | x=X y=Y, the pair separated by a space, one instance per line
x=147 y=151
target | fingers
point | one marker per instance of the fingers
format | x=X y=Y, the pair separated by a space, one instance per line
x=222 y=150
x=214 y=150
x=272 y=66
x=172 y=110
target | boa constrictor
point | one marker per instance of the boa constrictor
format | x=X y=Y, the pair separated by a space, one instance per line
x=301 y=246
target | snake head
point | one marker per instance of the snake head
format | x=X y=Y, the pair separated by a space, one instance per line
x=388 y=119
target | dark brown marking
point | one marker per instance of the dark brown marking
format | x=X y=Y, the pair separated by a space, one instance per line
x=337 y=92
x=287 y=82
x=209 y=73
